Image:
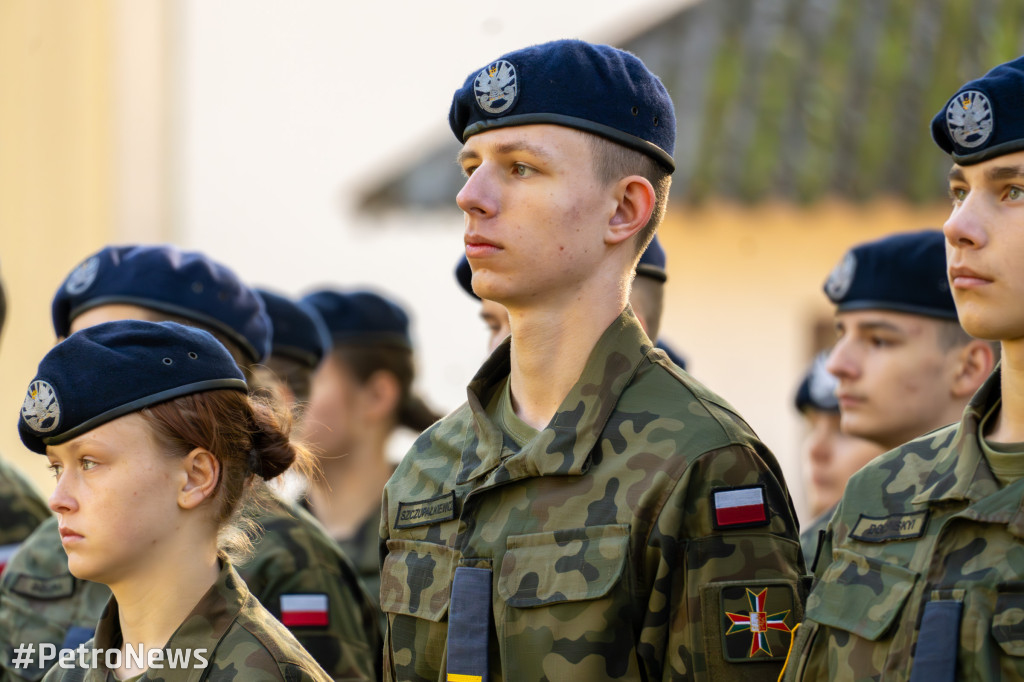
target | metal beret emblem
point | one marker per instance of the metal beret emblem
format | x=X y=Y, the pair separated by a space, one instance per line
x=841 y=278
x=496 y=87
x=41 y=411
x=83 y=276
x=969 y=119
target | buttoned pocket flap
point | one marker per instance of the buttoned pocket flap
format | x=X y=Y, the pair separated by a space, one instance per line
x=563 y=566
x=1008 y=620
x=860 y=594
x=417 y=579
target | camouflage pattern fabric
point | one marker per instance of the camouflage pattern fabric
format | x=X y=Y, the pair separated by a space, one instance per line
x=41 y=602
x=363 y=550
x=924 y=524
x=608 y=558
x=810 y=535
x=242 y=641
x=21 y=509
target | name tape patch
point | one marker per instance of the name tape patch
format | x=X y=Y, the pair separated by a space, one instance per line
x=43 y=588
x=426 y=512
x=887 y=528
x=742 y=507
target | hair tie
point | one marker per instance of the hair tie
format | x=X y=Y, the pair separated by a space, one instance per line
x=255 y=462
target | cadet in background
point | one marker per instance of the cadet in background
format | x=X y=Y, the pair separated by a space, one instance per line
x=921 y=571
x=591 y=512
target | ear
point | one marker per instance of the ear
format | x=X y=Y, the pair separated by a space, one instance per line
x=380 y=394
x=201 y=470
x=974 y=363
x=634 y=203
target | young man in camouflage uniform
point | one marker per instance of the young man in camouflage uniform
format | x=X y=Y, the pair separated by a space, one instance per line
x=921 y=574
x=42 y=603
x=591 y=512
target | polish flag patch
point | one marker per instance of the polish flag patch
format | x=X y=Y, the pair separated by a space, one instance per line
x=6 y=552
x=739 y=507
x=304 y=610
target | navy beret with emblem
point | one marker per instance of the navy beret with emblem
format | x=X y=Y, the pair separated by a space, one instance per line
x=299 y=332
x=596 y=88
x=904 y=272
x=115 y=368
x=361 y=318
x=817 y=391
x=985 y=118
x=464 y=276
x=164 y=278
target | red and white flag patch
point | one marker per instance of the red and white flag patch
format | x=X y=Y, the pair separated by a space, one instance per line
x=739 y=507
x=6 y=552
x=304 y=610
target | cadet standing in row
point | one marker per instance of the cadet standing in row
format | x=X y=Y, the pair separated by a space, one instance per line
x=921 y=573
x=591 y=512
x=294 y=565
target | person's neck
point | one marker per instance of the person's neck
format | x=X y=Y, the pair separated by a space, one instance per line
x=550 y=348
x=350 y=489
x=1009 y=423
x=153 y=606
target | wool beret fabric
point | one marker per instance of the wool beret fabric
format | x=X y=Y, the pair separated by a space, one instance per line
x=115 y=368
x=167 y=279
x=361 y=318
x=904 y=272
x=299 y=332
x=985 y=118
x=817 y=390
x=595 y=88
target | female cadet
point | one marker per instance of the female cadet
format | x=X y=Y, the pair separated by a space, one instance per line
x=360 y=395
x=155 y=444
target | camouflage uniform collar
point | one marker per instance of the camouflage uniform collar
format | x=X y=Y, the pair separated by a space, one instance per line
x=204 y=626
x=961 y=472
x=563 y=447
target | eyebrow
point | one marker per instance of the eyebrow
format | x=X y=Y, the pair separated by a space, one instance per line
x=994 y=174
x=506 y=148
x=878 y=325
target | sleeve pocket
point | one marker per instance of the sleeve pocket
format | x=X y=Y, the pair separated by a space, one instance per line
x=563 y=566
x=860 y=594
x=417 y=579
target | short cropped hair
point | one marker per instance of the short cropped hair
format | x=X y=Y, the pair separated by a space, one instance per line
x=951 y=336
x=613 y=161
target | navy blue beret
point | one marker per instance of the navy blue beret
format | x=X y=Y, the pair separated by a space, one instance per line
x=596 y=88
x=299 y=332
x=817 y=391
x=361 y=318
x=653 y=261
x=985 y=118
x=905 y=272
x=115 y=368
x=164 y=278
x=464 y=275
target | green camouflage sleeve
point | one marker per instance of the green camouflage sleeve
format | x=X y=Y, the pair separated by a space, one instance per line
x=296 y=559
x=21 y=508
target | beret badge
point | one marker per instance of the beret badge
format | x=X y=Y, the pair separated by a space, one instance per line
x=41 y=411
x=969 y=119
x=841 y=277
x=83 y=276
x=496 y=87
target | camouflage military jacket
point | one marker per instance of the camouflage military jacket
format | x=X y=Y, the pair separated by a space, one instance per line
x=228 y=635
x=923 y=533
x=21 y=510
x=615 y=544
x=294 y=563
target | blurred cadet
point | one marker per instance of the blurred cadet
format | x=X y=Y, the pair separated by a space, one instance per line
x=646 y=296
x=298 y=344
x=592 y=512
x=362 y=392
x=905 y=365
x=921 y=575
x=831 y=456
x=42 y=603
x=156 y=446
x=21 y=507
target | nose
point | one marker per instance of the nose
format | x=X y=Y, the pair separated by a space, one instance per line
x=62 y=500
x=477 y=196
x=842 y=362
x=964 y=229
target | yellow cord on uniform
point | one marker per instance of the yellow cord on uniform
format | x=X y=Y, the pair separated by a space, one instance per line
x=792 y=638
